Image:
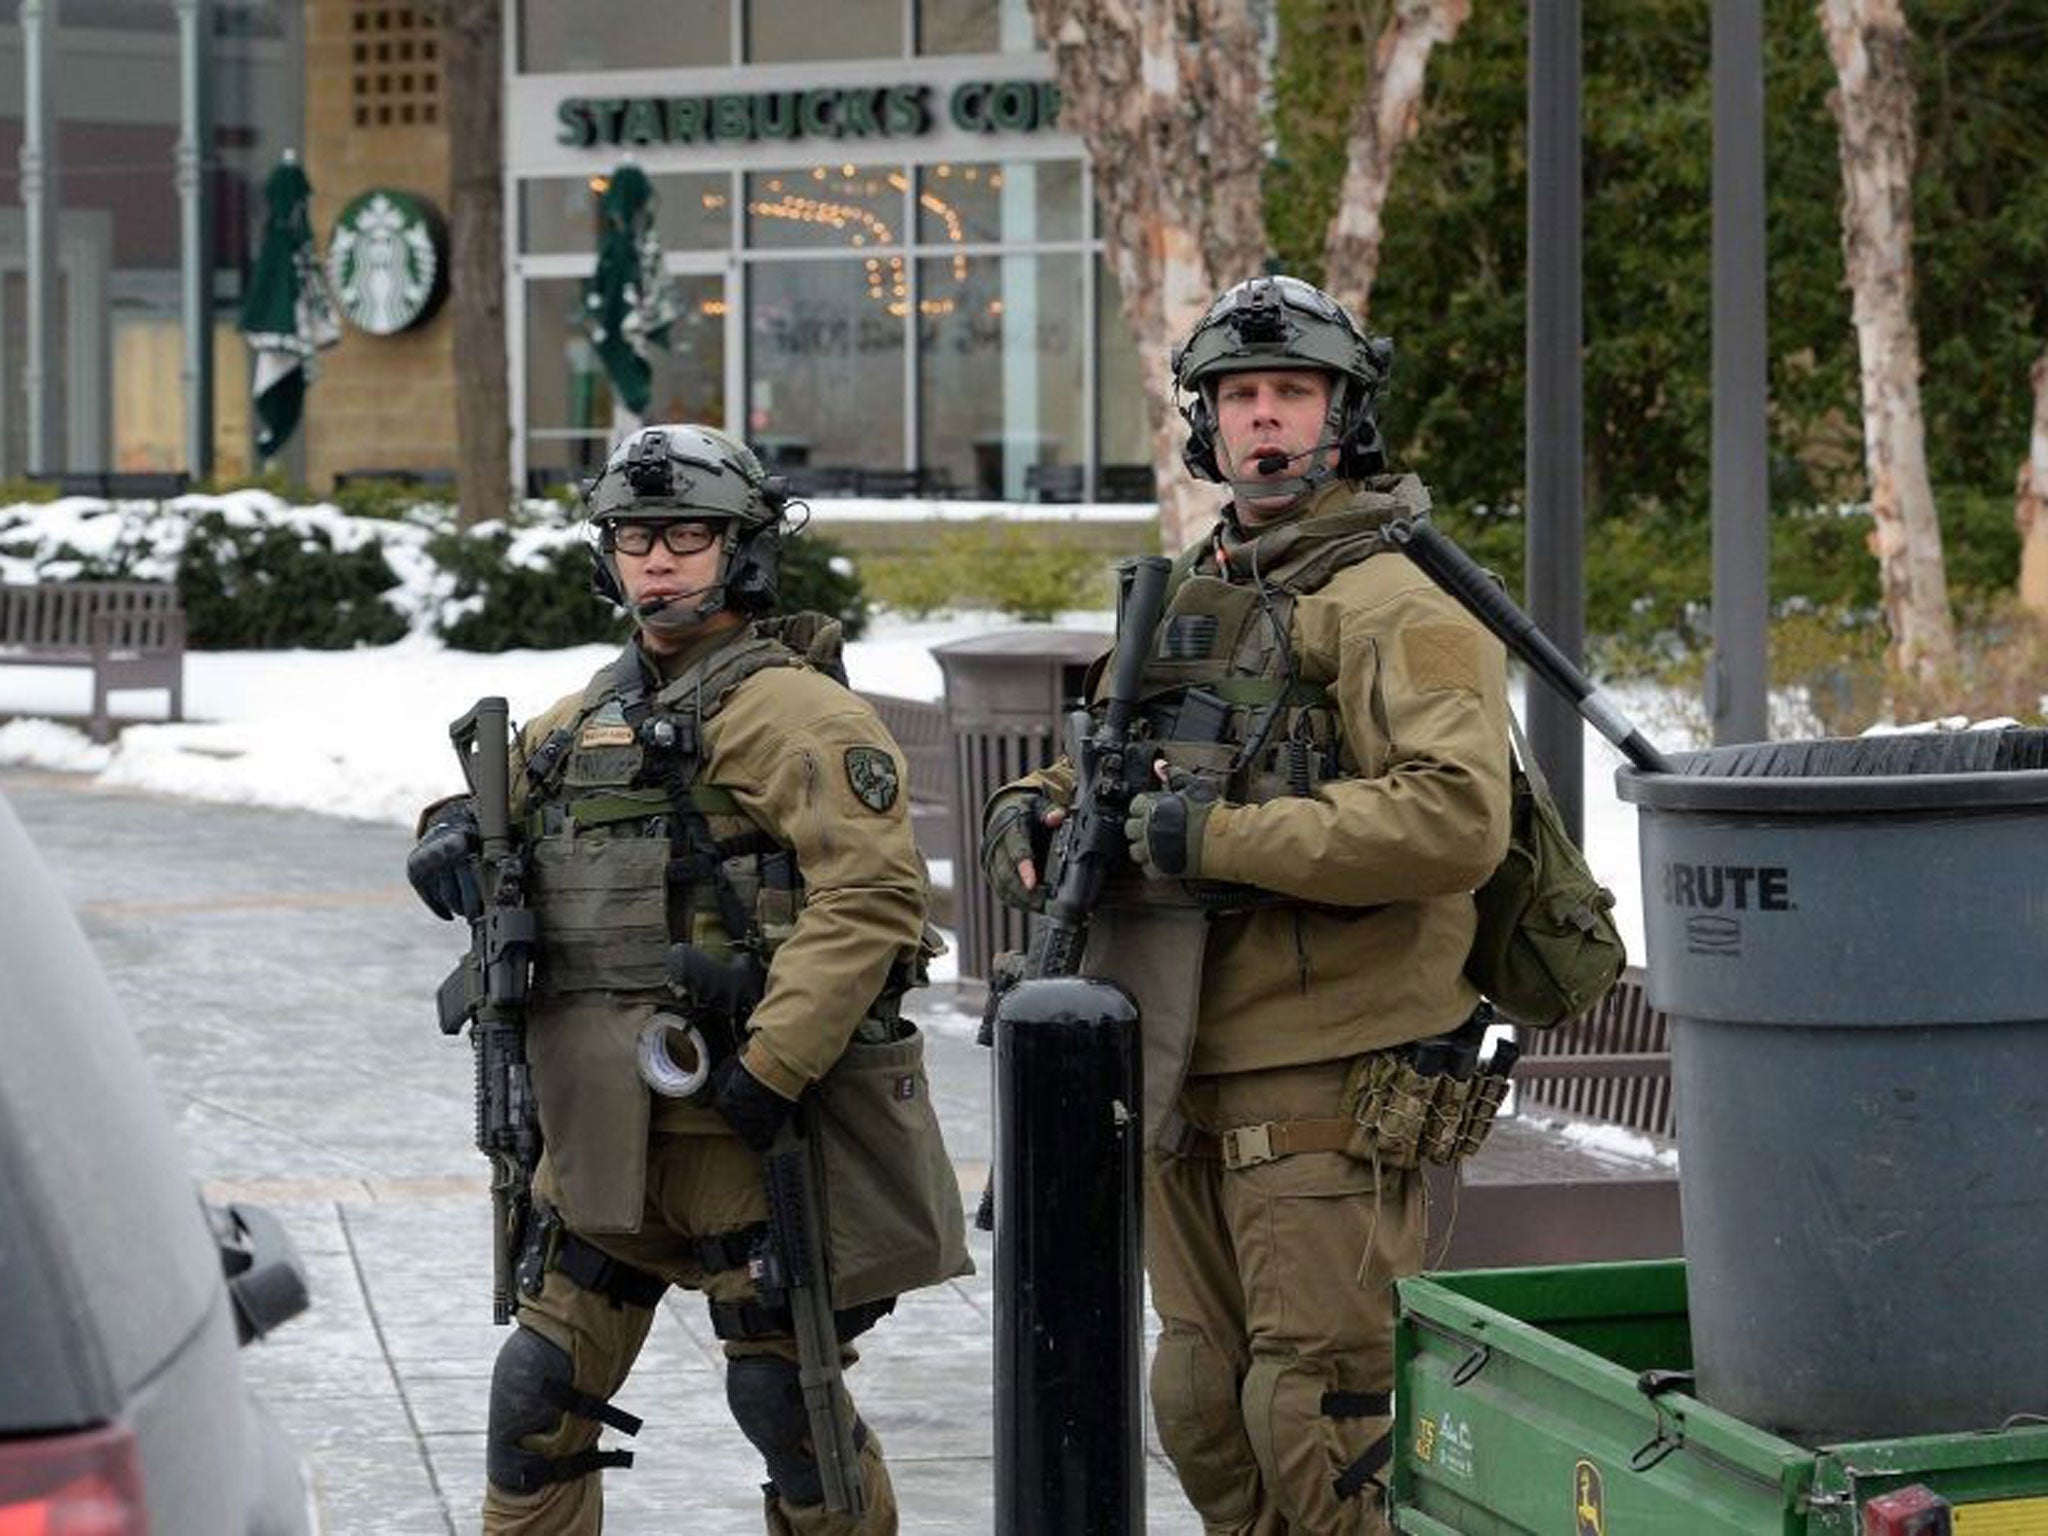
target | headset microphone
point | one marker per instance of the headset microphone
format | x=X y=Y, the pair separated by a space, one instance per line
x=1273 y=463
x=647 y=607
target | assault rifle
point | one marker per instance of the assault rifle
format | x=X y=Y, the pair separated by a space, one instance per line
x=1111 y=768
x=793 y=1267
x=487 y=990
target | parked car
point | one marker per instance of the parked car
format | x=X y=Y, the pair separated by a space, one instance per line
x=123 y=1299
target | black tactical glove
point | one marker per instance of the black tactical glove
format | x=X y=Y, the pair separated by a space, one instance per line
x=749 y=1106
x=443 y=863
x=1165 y=829
x=1015 y=829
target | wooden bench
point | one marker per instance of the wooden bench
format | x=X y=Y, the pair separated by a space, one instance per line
x=131 y=633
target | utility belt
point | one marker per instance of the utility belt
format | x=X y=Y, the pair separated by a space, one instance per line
x=1430 y=1101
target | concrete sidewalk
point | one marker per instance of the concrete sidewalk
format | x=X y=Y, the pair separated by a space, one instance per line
x=281 y=978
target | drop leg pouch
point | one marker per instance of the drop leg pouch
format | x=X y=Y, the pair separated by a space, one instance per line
x=891 y=1199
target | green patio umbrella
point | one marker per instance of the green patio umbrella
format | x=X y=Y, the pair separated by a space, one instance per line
x=288 y=313
x=630 y=303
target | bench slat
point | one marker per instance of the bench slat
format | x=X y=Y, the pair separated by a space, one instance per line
x=130 y=633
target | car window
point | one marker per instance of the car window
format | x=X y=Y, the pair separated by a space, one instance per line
x=96 y=1186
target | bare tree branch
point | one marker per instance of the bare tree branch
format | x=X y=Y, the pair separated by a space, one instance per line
x=1385 y=120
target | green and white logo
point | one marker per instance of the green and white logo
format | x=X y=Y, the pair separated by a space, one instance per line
x=388 y=257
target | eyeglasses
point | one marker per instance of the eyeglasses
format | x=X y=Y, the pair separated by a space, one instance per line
x=677 y=537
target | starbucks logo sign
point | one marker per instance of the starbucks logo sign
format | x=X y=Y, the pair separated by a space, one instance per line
x=388 y=257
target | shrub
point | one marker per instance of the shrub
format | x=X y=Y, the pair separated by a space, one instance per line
x=272 y=479
x=541 y=600
x=389 y=500
x=268 y=585
x=818 y=575
x=1025 y=570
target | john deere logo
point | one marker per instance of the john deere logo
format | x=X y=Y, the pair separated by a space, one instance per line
x=1589 y=1501
x=388 y=259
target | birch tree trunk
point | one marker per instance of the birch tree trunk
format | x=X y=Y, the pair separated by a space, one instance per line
x=473 y=44
x=1385 y=120
x=1166 y=96
x=1873 y=106
x=2030 y=500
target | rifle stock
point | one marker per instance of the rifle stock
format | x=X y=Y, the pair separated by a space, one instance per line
x=489 y=989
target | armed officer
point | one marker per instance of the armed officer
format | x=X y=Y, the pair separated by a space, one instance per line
x=716 y=795
x=1334 y=784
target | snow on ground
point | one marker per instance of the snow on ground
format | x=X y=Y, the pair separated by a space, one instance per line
x=361 y=732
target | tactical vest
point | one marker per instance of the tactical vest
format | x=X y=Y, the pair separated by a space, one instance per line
x=1224 y=699
x=1222 y=693
x=629 y=852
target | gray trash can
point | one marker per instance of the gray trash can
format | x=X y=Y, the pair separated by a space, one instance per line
x=1851 y=939
x=1007 y=696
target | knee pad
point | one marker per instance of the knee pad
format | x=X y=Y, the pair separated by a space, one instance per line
x=1317 y=1446
x=533 y=1388
x=1195 y=1406
x=767 y=1403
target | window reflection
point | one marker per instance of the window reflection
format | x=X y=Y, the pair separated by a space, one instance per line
x=559 y=214
x=844 y=207
x=1001 y=342
x=975 y=26
x=567 y=392
x=803 y=31
x=825 y=358
x=559 y=35
x=1014 y=202
x=1122 y=437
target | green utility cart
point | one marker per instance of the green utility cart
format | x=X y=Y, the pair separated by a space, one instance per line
x=1556 y=1402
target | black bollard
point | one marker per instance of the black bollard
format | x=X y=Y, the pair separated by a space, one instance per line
x=1069 y=1128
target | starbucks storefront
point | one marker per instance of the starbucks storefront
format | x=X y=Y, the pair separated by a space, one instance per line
x=884 y=249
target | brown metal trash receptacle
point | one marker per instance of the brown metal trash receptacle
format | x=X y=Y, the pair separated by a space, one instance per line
x=1007 y=696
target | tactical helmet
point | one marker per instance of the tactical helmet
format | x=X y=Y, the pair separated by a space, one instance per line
x=698 y=474
x=1268 y=323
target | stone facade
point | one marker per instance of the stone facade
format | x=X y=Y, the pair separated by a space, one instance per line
x=375 y=118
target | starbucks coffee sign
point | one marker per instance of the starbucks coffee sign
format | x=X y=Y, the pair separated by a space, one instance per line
x=388 y=258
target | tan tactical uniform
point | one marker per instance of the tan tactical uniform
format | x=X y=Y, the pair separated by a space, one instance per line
x=660 y=1187
x=1380 y=804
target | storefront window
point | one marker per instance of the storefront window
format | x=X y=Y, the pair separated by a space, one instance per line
x=1123 y=438
x=803 y=31
x=568 y=397
x=825 y=346
x=975 y=26
x=838 y=207
x=558 y=214
x=562 y=35
x=1012 y=202
x=1001 y=344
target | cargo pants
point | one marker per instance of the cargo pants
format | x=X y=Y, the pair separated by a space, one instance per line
x=697 y=1186
x=1273 y=1283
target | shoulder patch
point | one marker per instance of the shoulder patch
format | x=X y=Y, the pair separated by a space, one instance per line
x=1440 y=656
x=872 y=773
